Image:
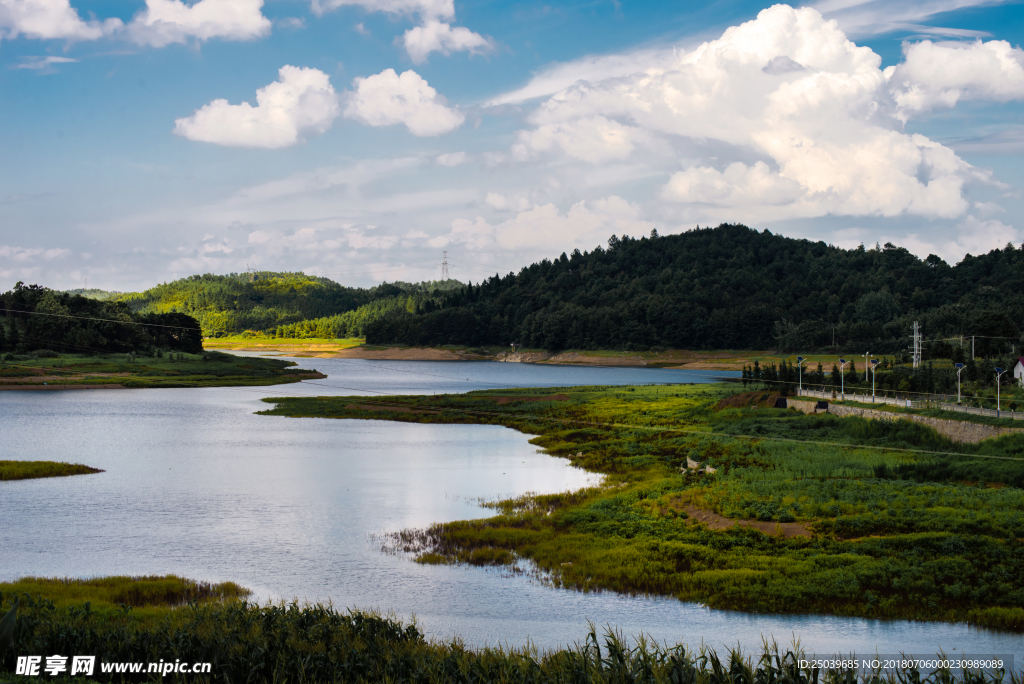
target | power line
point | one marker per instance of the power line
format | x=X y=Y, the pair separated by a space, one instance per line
x=103 y=320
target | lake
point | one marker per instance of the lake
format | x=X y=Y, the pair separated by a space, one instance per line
x=197 y=485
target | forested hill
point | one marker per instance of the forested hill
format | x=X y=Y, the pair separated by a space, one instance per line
x=728 y=287
x=265 y=301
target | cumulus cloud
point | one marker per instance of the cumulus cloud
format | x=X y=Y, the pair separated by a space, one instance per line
x=811 y=122
x=938 y=75
x=49 y=19
x=163 y=22
x=439 y=36
x=434 y=33
x=387 y=98
x=738 y=185
x=301 y=102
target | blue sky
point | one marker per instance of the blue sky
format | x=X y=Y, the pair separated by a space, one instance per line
x=145 y=140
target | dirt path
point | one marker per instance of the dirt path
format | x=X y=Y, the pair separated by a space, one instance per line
x=718 y=522
x=396 y=409
x=508 y=400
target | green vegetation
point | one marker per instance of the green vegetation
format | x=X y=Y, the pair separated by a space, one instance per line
x=731 y=288
x=107 y=595
x=173 y=369
x=245 y=642
x=93 y=293
x=35 y=318
x=879 y=532
x=282 y=304
x=30 y=470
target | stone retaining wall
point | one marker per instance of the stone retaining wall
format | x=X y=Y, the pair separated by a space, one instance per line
x=956 y=430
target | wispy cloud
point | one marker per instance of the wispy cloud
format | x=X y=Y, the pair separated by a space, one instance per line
x=42 y=63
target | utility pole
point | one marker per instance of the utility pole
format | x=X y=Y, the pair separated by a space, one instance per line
x=444 y=267
x=972 y=347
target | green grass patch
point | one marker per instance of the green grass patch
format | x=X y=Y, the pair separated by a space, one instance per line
x=209 y=369
x=904 y=523
x=30 y=470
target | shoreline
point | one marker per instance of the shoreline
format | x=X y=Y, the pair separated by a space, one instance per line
x=675 y=359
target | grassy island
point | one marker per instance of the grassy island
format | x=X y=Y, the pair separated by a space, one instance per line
x=30 y=470
x=50 y=370
x=717 y=497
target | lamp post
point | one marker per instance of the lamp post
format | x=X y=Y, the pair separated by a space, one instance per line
x=874 y=365
x=959 y=370
x=999 y=374
x=800 y=375
x=842 y=378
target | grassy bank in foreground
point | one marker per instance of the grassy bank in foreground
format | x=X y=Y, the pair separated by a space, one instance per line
x=208 y=369
x=883 y=528
x=30 y=470
x=245 y=642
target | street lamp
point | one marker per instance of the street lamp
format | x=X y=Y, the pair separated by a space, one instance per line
x=800 y=374
x=999 y=374
x=842 y=378
x=874 y=365
x=959 y=370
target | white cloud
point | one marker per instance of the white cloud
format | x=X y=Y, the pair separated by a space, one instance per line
x=595 y=139
x=558 y=77
x=42 y=63
x=938 y=75
x=738 y=185
x=975 y=236
x=443 y=9
x=301 y=102
x=451 y=159
x=873 y=17
x=782 y=117
x=49 y=19
x=163 y=22
x=438 y=36
x=386 y=99
x=540 y=229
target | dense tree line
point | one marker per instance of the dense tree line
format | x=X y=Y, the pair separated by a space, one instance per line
x=34 y=318
x=268 y=302
x=731 y=288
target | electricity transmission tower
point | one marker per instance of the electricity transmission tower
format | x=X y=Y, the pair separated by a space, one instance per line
x=917 y=345
x=444 y=267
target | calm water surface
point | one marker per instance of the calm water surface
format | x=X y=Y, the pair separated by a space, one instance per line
x=197 y=485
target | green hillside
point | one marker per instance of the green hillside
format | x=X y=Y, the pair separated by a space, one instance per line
x=731 y=288
x=266 y=301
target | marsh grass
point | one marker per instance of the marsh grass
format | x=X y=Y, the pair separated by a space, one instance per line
x=895 y=534
x=28 y=470
x=165 y=591
x=283 y=643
